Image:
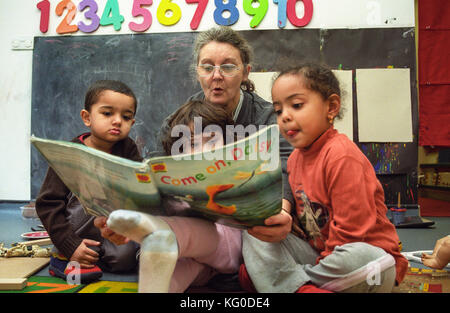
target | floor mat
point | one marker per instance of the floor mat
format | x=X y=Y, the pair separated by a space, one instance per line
x=419 y=280
x=46 y=284
x=110 y=287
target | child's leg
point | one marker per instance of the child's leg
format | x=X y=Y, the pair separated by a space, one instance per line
x=213 y=244
x=159 y=254
x=135 y=225
x=159 y=250
x=289 y=264
x=279 y=266
x=354 y=267
x=189 y=272
x=441 y=254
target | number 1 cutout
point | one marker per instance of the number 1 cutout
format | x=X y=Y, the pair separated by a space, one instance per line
x=281 y=12
x=44 y=7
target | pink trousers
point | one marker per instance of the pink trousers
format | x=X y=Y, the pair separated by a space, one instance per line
x=204 y=249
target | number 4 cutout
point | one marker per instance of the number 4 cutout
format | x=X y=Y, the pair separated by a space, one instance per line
x=111 y=15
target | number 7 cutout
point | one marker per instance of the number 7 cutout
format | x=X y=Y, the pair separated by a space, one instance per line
x=198 y=12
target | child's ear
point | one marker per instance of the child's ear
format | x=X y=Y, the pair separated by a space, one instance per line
x=86 y=117
x=334 y=106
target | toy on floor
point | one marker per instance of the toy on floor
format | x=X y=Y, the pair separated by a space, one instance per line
x=21 y=250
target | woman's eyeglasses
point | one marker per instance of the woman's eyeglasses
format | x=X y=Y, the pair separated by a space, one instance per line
x=228 y=70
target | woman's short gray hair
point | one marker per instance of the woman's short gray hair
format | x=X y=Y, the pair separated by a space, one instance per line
x=225 y=34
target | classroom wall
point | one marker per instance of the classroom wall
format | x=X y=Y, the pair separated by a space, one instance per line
x=19 y=20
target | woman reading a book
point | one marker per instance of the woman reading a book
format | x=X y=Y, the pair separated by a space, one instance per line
x=222 y=62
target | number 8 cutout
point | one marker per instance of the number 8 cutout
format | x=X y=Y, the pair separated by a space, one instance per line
x=230 y=6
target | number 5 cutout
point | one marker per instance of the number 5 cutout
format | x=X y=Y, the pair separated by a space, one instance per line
x=138 y=10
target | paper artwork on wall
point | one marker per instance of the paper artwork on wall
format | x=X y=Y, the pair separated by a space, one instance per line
x=384 y=105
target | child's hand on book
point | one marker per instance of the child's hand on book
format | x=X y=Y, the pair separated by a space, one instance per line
x=277 y=226
x=106 y=232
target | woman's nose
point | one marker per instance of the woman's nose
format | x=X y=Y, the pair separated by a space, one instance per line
x=216 y=74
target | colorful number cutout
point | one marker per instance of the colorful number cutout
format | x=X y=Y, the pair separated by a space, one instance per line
x=258 y=12
x=230 y=6
x=138 y=10
x=281 y=12
x=198 y=13
x=44 y=7
x=164 y=7
x=292 y=15
x=64 y=27
x=111 y=15
x=90 y=15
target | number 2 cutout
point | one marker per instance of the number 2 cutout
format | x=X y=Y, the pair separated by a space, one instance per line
x=64 y=27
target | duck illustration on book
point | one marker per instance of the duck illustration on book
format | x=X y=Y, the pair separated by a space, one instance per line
x=211 y=191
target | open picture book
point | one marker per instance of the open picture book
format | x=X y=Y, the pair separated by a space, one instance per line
x=238 y=184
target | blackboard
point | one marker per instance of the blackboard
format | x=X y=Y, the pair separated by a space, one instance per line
x=157 y=68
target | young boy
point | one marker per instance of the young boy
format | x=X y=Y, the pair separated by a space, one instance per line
x=109 y=111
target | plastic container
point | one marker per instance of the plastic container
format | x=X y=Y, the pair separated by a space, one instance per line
x=398 y=215
x=28 y=211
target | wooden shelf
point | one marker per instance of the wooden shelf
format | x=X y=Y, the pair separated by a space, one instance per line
x=434 y=187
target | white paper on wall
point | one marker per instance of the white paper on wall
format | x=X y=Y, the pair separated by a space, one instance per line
x=384 y=105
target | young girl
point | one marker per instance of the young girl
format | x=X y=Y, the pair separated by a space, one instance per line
x=109 y=111
x=176 y=251
x=344 y=242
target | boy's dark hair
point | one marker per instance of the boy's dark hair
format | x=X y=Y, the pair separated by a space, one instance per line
x=211 y=115
x=317 y=77
x=95 y=90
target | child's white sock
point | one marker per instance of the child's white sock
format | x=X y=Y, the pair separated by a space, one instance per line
x=135 y=225
x=159 y=247
x=159 y=255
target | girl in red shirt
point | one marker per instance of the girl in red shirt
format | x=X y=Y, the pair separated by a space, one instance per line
x=344 y=241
